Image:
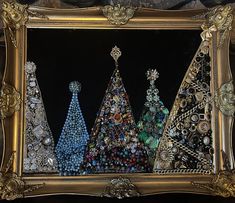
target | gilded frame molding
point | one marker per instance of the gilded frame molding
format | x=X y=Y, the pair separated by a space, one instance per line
x=18 y=18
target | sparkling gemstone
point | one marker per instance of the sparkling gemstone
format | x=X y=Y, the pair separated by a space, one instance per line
x=148 y=117
x=152 y=109
x=206 y=140
x=75 y=87
x=133 y=150
x=38 y=131
x=36 y=148
x=33 y=167
x=47 y=141
x=154 y=144
x=143 y=136
x=32 y=106
x=174 y=150
x=32 y=154
x=50 y=161
x=203 y=127
x=164 y=155
x=30 y=67
x=195 y=118
x=165 y=111
x=35 y=100
x=32 y=84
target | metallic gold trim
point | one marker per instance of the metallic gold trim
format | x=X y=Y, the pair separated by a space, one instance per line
x=222 y=184
x=12 y=186
x=219 y=19
x=92 y=18
x=225 y=99
x=15 y=16
x=10 y=100
x=121 y=188
x=118 y=15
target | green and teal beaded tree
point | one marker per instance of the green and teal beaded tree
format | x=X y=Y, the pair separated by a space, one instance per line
x=153 y=118
x=114 y=146
x=73 y=139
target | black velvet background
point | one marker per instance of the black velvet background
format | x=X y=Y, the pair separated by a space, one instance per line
x=43 y=55
x=84 y=55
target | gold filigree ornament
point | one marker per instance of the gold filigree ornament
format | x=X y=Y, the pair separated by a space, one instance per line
x=223 y=183
x=225 y=99
x=120 y=188
x=14 y=16
x=117 y=14
x=10 y=100
x=217 y=19
x=12 y=186
x=164 y=156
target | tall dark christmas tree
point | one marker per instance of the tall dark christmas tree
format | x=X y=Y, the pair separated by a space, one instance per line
x=153 y=118
x=114 y=146
x=73 y=139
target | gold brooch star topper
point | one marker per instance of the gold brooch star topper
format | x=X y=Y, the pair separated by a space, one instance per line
x=116 y=53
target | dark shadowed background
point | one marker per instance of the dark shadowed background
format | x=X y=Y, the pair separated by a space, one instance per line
x=60 y=61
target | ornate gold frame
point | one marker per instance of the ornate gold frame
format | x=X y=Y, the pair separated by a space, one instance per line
x=17 y=18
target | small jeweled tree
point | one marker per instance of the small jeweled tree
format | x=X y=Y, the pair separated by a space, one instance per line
x=153 y=118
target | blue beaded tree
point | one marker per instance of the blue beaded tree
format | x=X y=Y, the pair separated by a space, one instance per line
x=73 y=139
x=153 y=118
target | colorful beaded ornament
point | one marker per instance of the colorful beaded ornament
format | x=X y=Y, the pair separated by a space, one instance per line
x=114 y=146
x=39 y=154
x=153 y=118
x=73 y=139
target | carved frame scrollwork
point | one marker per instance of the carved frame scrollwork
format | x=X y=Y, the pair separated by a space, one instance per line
x=11 y=185
x=10 y=100
x=121 y=188
x=215 y=24
x=14 y=16
x=117 y=14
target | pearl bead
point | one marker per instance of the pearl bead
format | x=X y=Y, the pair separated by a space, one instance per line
x=206 y=140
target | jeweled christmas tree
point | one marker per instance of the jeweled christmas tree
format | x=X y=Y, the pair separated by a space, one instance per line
x=153 y=118
x=73 y=139
x=114 y=146
x=39 y=156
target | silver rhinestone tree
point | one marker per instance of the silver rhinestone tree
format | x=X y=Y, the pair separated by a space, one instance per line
x=39 y=156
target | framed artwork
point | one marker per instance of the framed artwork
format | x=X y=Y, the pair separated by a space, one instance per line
x=58 y=66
